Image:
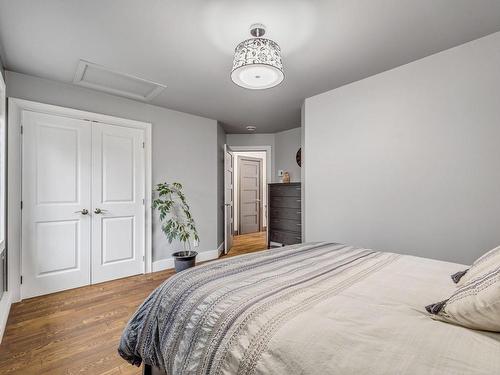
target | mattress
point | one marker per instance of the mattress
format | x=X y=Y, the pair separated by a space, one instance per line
x=307 y=309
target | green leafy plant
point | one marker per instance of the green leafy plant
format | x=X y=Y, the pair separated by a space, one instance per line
x=177 y=222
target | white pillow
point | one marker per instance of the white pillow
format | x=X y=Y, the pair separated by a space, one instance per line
x=481 y=265
x=475 y=304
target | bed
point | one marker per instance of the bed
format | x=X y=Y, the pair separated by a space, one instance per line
x=316 y=308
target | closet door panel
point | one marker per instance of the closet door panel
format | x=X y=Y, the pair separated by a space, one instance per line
x=56 y=192
x=118 y=207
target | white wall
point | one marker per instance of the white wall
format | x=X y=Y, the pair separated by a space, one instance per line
x=287 y=143
x=254 y=154
x=409 y=160
x=184 y=147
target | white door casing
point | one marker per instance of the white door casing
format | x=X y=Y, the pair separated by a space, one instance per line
x=56 y=189
x=83 y=216
x=118 y=202
x=228 y=198
x=15 y=230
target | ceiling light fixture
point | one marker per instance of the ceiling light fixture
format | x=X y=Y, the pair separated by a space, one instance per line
x=251 y=128
x=257 y=61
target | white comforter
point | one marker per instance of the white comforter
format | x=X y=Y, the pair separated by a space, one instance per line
x=311 y=309
x=379 y=326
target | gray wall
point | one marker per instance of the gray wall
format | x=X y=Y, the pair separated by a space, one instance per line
x=284 y=147
x=2 y=62
x=409 y=160
x=259 y=139
x=183 y=147
x=287 y=143
x=221 y=140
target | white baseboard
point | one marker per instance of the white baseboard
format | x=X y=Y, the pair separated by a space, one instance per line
x=203 y=256
x=207 y=255
x=5 y=303
x=163 y=264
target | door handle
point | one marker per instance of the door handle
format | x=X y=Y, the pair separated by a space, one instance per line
x=99 y=211
x=83 y=212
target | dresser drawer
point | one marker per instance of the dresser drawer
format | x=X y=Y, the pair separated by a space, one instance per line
x=286 y=224
x=285 y=190
x=284 y=202
x=285 y=238
x=285 y=213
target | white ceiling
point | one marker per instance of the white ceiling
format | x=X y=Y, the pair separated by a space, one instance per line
x=187 y=45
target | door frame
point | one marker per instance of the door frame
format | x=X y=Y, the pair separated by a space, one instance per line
x=228 y=234
x=14 y=180
x=269 y=158
x=261 y=204
x=269 y=167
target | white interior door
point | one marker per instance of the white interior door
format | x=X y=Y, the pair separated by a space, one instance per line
x=117 y=202
x=228 y=198
x=249 y=201
x=56 y=203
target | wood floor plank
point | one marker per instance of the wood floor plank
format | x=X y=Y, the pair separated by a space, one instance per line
x=248 y=243
x=77 y=331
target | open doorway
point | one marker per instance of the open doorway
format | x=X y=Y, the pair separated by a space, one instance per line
x=250 y=173
x=250 y=198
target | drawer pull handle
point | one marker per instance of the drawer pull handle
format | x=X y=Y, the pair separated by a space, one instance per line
x=298 y=200
x=299 y=225
x=298 y=238
x=299 y=212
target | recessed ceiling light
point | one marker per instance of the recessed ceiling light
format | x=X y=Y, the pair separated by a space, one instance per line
x=251 y=128
x=257 y=61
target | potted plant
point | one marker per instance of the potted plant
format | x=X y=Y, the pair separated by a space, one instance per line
x=177 y=222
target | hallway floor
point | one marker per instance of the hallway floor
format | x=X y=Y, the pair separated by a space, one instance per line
x=248 y=243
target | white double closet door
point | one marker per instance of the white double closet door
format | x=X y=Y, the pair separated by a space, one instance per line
x=83 y=216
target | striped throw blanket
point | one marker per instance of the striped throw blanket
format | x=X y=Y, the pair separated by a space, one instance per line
x=219 y=318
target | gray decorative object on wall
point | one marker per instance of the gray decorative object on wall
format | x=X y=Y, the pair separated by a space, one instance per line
x=298 y=157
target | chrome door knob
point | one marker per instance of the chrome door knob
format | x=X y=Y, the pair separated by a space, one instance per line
x=83 y=212
x=99 y=211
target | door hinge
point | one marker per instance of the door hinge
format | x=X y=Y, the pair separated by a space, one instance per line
x=143 y=202
x=22 y=129
x=21 y=279
x=143 y=144
x=143 y=258
x=21 y=205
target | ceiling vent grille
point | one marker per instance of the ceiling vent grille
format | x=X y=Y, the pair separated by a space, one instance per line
x=98 y=77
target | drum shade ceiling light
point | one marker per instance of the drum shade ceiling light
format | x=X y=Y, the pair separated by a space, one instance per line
x=257 y=61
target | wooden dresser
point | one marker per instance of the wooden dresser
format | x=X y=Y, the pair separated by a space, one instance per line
x=284 y=213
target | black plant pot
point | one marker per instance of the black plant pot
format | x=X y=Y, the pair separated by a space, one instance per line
x=184 y=260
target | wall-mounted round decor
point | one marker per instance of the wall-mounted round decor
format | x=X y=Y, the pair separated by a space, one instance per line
x=298 y=157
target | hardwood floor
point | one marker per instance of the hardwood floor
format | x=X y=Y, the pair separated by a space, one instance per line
x=248 y=243
x=77 y=331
